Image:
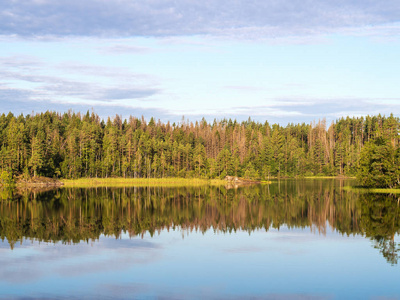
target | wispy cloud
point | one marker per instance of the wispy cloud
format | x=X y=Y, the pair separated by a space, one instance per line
x=29 y=79
x=244 y=88
x=20 y=62
x=310 y=109
x=125 y=49
x=239 y=18
x=299 y=109
x=24 y=101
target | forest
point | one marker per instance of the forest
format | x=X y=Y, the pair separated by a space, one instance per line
x=75 y=145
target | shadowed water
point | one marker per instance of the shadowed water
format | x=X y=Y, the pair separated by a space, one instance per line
x=293 y=239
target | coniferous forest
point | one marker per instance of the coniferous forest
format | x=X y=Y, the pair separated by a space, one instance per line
x=74 y=145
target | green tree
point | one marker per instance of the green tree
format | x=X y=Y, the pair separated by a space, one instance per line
x=199 y=159
x=379 y=164
x=36 y=160
x=251 y=172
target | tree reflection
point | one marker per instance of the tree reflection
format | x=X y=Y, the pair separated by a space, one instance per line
x=76 y=215
x=380 y=221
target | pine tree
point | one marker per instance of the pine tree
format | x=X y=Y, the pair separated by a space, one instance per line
x=36 y=160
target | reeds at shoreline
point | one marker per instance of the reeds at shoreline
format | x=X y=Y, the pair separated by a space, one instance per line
x=120 y=182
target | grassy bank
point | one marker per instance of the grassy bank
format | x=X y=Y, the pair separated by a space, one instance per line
x=372 y=190
x=121 y=182
x=385 y=191
x=328 y=177
x=311 y=177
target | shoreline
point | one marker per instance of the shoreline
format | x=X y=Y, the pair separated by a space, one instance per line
x=140 y=182
x=311 y=177
x=46 y=182
x=38 y=182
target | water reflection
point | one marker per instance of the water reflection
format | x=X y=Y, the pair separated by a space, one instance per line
x=380 y=221
x=75 y=215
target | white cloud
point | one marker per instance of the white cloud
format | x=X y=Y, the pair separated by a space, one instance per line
x=238 y=18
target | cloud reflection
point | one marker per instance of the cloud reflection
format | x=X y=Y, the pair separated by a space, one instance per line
x=34 y=261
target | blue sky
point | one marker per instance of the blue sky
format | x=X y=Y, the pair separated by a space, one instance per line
x=281 y=61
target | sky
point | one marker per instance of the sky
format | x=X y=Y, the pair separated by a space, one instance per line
x=282 y=61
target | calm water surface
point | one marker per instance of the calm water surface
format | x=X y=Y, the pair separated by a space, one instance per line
x=307 y=239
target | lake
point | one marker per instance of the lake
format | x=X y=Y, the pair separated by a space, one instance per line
x=292 y=239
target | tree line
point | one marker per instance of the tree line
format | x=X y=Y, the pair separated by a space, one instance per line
x=74 y=145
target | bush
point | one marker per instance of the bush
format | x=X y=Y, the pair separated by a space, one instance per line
x=6 y=178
